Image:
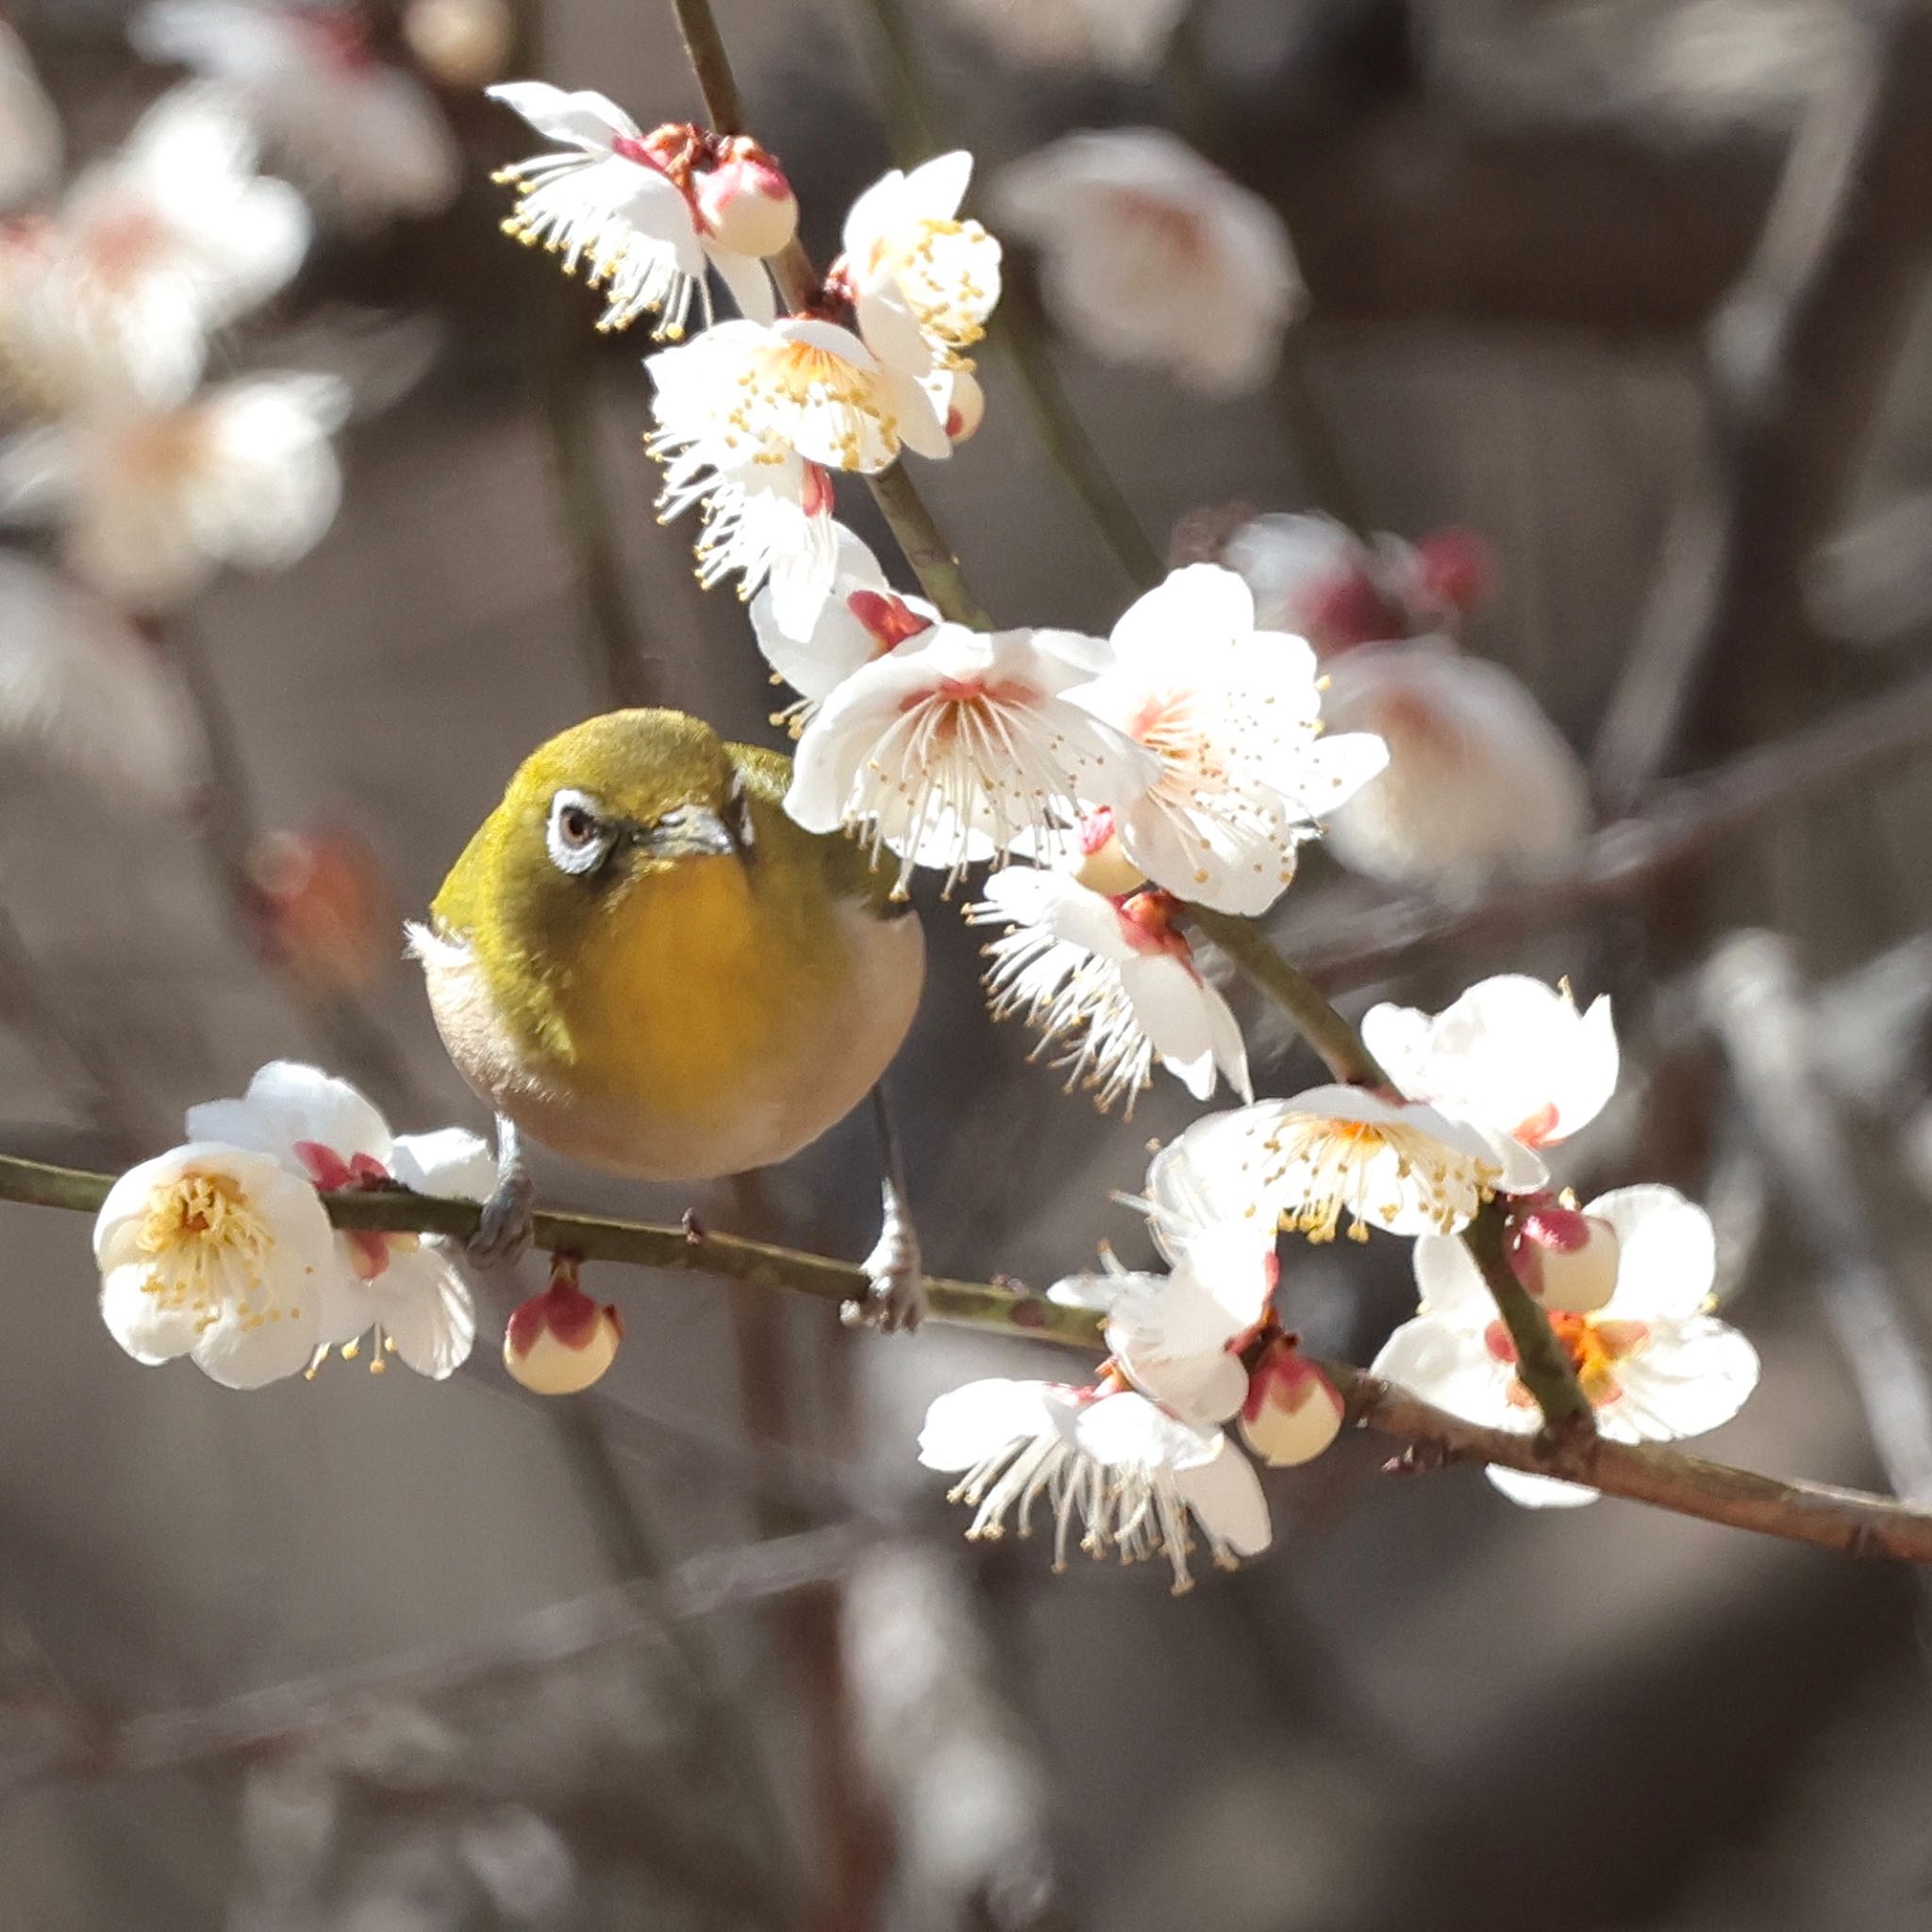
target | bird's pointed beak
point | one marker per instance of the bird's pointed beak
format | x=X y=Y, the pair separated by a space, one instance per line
x=691 y=831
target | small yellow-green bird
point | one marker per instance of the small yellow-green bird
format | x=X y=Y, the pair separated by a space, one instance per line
x=643 y=964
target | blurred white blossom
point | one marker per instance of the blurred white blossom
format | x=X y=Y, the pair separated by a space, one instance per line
x=152 y=504
x=1150 y=255
x=1511 y=1054
x=31 y=142
x=154 y=249
x=460 y=44
x=219 y=1254
x=1112 y=981
x=1654 y=1363
x=366 y=140
x=1233 y=716
x=82 y=688
x=959 y=742
x=1120 y=36
x=404 y=1289
x=1477 y=772
x=641 y=211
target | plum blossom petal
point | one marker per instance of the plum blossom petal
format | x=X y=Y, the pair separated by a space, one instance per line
x=1113 y=981
x=957 y=743
x=1232 y=716
x=1477 y=775
x=365 y=139
x=31 y=142
x=216 y=1253
x=1654 y=1365
x=1511 y=1054
x=1151 y=254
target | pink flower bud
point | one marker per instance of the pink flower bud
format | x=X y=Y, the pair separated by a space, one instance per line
x=745 y=201
x=965 y=406
x=1567 y=1261
x=1293 y=1411
x=561 y=1342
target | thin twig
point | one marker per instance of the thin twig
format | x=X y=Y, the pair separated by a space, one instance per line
x=1624 y=859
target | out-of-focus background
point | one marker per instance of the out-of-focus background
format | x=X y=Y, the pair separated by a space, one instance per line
x=1634 y=292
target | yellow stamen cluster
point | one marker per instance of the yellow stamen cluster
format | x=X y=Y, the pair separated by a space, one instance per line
x=204 y=1246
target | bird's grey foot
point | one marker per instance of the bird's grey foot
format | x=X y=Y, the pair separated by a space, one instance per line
x=895 y=1294
x=503 y=1232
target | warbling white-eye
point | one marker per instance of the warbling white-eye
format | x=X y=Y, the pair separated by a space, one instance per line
x=643 y=964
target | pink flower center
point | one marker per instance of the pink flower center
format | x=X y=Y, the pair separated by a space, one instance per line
x=1096 y=829
x=1147 y=919
x=361 y=1173
x=887 y=617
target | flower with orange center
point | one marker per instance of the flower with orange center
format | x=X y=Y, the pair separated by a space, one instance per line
x=1654 y=1362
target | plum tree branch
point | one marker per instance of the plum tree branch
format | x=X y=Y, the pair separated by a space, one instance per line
x=1850 y=1520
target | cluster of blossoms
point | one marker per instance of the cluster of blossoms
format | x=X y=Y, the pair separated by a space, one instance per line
x=221 y=1250
x=1480 y=1093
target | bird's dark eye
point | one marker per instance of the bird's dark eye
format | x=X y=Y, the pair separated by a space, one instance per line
x=576 y=837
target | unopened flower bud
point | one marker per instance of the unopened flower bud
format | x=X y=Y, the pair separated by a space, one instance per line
x=1567 y=1261
x=323 y=910
x=746 y=202
x=1293 y=1411
x=561 y=1342
x=460 y=44
x=1105 y=866
x=965 y=404
x=1453 y=569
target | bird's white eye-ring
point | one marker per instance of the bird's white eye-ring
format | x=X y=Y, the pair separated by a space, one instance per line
x=576 y=837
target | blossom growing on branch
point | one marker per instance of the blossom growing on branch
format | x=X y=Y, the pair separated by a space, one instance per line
x=1150 y=255
x=365 y=139
x=1511 y=1054
x=922 y=282
x=153 y=250
x=1233 y=717
x=152 y=504
x=1477 y=775
x=402 y=1288
x=1112 y=980
x=647 y=212
x=219 y=1254
x=959 y=742
x=1653 y=1362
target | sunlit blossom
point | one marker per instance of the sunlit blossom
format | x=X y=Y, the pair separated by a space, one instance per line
x=645 y=214
x=151 y=503
x=959 y=742
x=365 y=139
x=1109 y=982
x=1150 y=255
x=154 y=249
x=1336 y=1155
x=219 y=1254
x=1511 y=1054
x=1653 y=1362
x=1115 y=1470
x=923 y=281
x=1477 y=775
x=403 y=1289
x=1233 y=717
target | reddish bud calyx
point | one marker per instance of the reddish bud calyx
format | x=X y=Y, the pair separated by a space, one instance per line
x=1292 y=1411
x=561 y=1342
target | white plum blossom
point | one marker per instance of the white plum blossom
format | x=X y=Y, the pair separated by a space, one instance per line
x=1233 y=716
x=402 y=1288
x=153 y=250
x=860 y=618
x=366 y=139
x=1511 y=1054
x=1132 y=1476
x=1315 y=578
x=1477 y=775
x=219 y=1254
x=1303 y=1162
x=1110 y=980
x=1126 y=37
x=82 y=689
x=638 y=210
x=1151 y=254
x=767 y=519
x=922 y=282
x=959 y=742
x=1653 y=1362
x=31 y=142
x=152 y=504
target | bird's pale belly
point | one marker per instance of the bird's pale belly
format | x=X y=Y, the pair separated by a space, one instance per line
x=700 y=1058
